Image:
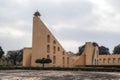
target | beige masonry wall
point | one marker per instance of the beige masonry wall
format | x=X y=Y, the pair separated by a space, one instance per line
x=27 y=56
x=45 y=45
x=78 y=61
x=109 y=59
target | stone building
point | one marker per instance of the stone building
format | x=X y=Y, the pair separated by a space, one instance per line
x=45 y=45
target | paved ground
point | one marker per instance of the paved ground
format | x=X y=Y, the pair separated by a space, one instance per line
x=56 y=75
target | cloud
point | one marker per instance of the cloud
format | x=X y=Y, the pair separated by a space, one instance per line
x=73 y=22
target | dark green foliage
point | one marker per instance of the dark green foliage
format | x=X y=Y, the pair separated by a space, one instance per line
x=43 y=61
x=116 y=49
x=20 y=55
x=1 y=52
x=15 y=56
x=103 y=50
x=81 y=49
x=95 y=44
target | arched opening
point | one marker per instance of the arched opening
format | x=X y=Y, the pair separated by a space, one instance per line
x=54 y=42
x=58 y=48
x=85 y=59
x=48 y=38
x=48 y=56
x=113 y=60
x=68 y=61
x=109 y=60
x=63 y=52
x=54 y=49
x=95 y=62
x=100 y=60
x=54 y=59
x=63 y=60
x=104 y=60
x=48 y=48
x=118 y=60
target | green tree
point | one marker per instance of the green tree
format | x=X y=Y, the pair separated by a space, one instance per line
x=1 y=52
x=20 y=55
x=81 y=49
x=95 y=44
x=43 y=61
x=116 y=49
x=102 y=49
x=15 y=56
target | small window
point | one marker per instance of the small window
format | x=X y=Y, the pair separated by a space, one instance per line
x=104 y=60
x=118 y=60
x=109 y=60
x=54 y=59
x=48 y=48
x=68 y=60
x=95 y=62
x=48 y=38
x=58 y=48
x=113 y=60
x=54 y=49
x=54 y=42
x=63 y=60
x=63 y=52
x=48 y=56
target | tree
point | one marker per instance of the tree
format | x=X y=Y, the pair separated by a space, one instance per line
x=20 y=55
x=95 y=44
x=103 y=50
x=116 y=49
x=15 y=56
x=81 y=49
x=1 y=52
x=43 y=61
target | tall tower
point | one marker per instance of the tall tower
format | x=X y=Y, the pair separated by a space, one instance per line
x=91 y=53
x=45 y=45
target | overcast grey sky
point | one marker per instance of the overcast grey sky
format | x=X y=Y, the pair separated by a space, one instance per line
x=73 y=22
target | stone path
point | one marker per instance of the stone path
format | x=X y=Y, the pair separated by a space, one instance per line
x=56 y=75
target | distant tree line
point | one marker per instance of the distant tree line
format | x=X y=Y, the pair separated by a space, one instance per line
x=13 y=55
x=102 y=49
x=116 y=49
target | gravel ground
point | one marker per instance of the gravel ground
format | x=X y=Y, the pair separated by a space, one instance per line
x=57 y=75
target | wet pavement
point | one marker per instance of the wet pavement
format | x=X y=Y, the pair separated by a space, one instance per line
x=57 y=75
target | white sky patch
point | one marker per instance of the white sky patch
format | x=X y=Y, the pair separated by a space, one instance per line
x=71 y=45
x=14 y=33
x=109 y=19
x=24 y=3
x=102 y=6
x=61 y=26
x=63 y=1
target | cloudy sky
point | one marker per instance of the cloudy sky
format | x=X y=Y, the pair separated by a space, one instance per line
x=73 y=22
